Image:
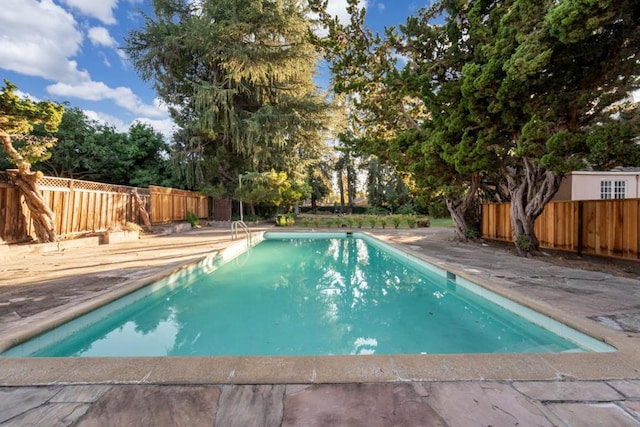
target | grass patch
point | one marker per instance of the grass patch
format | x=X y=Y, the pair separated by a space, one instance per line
x=442 y=222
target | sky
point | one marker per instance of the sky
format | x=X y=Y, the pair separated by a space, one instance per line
x=71 y=51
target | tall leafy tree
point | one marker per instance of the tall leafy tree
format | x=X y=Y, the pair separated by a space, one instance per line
x=238 y=76
x=17 y=119
x=544 y=91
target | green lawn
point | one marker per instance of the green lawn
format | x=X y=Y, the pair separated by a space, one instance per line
x=442 y=222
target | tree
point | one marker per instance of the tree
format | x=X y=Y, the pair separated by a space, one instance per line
x=17 y=119
x=238 y=77
x=68 y=156
x=272 y=189
x=544 y=87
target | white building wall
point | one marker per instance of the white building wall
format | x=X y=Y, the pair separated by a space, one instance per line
x=586 y=185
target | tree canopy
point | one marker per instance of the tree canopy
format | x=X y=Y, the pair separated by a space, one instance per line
x=515 y=94
x=18 y=116
x=238 y=77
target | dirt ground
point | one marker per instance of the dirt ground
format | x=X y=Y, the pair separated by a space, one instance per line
x=616 y=267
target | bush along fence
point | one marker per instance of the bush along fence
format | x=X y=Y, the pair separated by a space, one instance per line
x=85 y=207
x=591 y=227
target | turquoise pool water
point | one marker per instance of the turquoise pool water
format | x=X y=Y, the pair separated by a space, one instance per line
x=303 y=296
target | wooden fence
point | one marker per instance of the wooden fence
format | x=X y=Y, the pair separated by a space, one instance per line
x=594 y=227
x=170 y=204
x=85 y=206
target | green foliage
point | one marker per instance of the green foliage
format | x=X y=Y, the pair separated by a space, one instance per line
x=473 y=233
x=372 y=220
x=518 y=94
x=285 y=220
x=412 y=221
x=397 y=220
x=17 y=120
x=193 y=219
x=406 y=209
x=523 y=243
x=423 y=222
x=272 y=189
x=382 y=221
x=238 y=77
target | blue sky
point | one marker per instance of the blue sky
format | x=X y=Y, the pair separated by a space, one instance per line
x=69 y=50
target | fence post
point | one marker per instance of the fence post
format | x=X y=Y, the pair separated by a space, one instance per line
x=580 y=227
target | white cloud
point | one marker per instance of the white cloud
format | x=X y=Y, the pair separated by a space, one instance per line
x=100 y=36
x=164 y=126
x=98 y=91
x=99 y=9
x=339 y=8
x=24 y=95
x=38 y=39
x=107 y=119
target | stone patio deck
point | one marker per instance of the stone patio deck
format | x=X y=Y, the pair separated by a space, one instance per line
x=579 y=389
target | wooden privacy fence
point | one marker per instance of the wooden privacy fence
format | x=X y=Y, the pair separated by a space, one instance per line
x=85 y=206
x=594 y=227
x=170 y=204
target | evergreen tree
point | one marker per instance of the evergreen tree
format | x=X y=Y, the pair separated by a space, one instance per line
x=238 y=76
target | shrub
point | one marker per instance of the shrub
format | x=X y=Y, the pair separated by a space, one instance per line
x=383 y=222
x=472 y=233
x=406 y=209
x=350 y=221
x=285 y=220
x=359 y=221
x=412 y=221
x=372 y=220
x=424 y=222
x=397 y=220
x=193 y=219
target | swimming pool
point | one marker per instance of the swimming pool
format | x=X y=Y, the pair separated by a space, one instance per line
x=363 y=297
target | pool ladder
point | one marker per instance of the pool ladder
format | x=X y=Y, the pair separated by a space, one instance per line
x=234 y=229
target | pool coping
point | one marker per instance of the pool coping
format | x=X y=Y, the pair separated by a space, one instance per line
x=624 y=363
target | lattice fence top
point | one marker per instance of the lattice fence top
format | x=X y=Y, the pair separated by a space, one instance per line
x=54 y=183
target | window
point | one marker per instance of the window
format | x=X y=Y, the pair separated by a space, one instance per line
x=611 y=189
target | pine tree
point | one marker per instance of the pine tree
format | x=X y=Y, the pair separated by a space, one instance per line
x=238 y=76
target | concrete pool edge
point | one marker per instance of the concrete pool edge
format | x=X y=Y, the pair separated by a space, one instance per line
x=336 y=369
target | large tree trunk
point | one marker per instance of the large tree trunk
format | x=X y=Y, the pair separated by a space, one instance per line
x=341 y=188
x=458 y=207
x=531 y=189
x=350 y=189
x=27 y=181
x=142 y=210
x=41 y=214
x=314 y=204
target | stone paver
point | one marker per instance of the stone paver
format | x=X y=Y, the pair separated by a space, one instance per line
x=567 y=391
x=483 y=404
x=633 y=407
x=593 y=414
x=57 y=414
x=80 y=393
x=251 y=406
x=629 y=388
x=16 y=401
x=366 y=405
x=154 y=406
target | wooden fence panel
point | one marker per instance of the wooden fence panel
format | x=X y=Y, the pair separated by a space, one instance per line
x=222 y=210
x=170 y=204
x=595 y=227
x=78 y=206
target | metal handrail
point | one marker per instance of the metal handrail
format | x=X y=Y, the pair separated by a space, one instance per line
x=234 y=229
